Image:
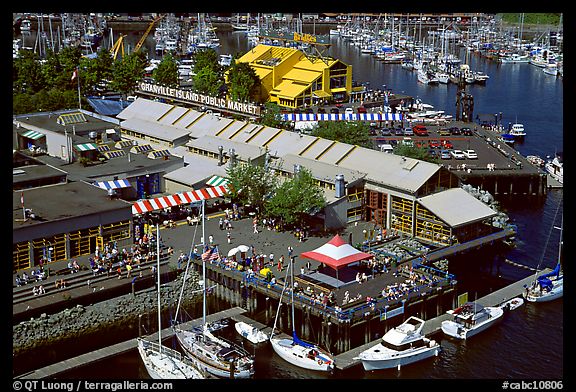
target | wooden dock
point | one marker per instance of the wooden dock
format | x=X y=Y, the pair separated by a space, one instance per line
x=432 y=326
x=89 y=358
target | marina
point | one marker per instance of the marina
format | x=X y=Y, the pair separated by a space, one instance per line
x=410 y=272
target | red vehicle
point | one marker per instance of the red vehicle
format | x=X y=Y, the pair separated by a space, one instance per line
x=361 y=109
x=434 y=144
x=420 y=130
x=446 y=144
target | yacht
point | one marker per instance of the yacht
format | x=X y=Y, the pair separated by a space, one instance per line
x=515 y=58
x=517 y=130
x=470 y=319
x=402 y=345
x=555 y=168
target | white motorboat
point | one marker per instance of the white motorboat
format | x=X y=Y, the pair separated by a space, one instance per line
x=555 y=168
x=162 y=362
x=423 y=76
x=471 y=319
x=512 y=304
x=212 y=354
x=250 y=332
x=517 y=130
x=515 y=58
x=551 y=69
x=295 y=351
x=400 y=346
x=550 y=286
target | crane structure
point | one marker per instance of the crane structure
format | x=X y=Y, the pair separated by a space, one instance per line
x=118 y=45
x=150 y=26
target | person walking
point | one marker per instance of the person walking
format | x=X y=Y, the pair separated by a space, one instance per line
x=228 y=237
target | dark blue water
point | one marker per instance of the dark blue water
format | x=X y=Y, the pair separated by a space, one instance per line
x=529 y=342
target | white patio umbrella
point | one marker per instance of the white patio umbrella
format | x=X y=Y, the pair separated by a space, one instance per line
x=243 y=248
x=233 y=252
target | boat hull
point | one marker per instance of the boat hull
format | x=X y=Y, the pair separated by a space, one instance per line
x=398 y=360
x=296 y=355
x=167 y=365
x=537 y=296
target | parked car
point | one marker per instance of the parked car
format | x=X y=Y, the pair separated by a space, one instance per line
x=433 y=153
x=321 y=111
x=385 y=132
x=466 y=131
x=408 y=132
x=457 y=154
x=334 y=111
x=445 y=154
x=349 y=111
x=470 y=154
x=447 y=144
x=420 y=130
x=399 y=132
x=455 y=131
x=444 y=132
x=361 y=109
x=434 y=144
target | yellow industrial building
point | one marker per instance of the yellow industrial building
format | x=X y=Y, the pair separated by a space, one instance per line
x=293 y=79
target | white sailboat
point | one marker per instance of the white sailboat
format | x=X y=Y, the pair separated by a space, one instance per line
x=555 y=167
x=162 y=362
x=210 y=353
x=297 y=352
x=549 y=286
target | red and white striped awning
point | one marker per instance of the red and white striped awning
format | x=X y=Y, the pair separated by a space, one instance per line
x=158 y=203
x=336 y=253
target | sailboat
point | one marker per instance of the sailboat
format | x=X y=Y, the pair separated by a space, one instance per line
x=549 y=286
x=160 y=361
x=294 y=350
x=215 y=355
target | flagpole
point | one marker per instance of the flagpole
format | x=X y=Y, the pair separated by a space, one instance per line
x=78 y=77
x=203 y=264
x=22 y=202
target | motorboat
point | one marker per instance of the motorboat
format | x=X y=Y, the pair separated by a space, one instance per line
x=551 y=69
x=162 y=362
x=515 y=58
x=555 y=168
x=400 y=346
x=549 y=286
x=250 y=332
x=471 y=319
x=517 y=130
x=294 y=350
x=512 y=304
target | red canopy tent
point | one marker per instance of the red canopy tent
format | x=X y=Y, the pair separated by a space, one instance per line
x=336 y=253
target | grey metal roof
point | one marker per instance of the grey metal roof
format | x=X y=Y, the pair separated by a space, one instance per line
x=456 y=207
x=201 y=169
x=243 y=151
x=154 y=129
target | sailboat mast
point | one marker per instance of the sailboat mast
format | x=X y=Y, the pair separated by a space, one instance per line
x=203 y=264
x=158 y=285
x=292 y=292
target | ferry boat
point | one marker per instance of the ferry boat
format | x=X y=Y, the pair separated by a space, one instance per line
x=471 y=319
x=402 y=345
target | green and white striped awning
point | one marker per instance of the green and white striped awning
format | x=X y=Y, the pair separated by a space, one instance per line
x=86 y=147
x=217 y=181
x=33 y=135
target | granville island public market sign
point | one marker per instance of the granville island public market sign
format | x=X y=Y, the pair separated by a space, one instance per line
x=195 y=98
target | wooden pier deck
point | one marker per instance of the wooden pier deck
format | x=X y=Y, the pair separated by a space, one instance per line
x=432 y=326
x=86 y=359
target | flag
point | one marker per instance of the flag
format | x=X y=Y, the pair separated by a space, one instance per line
x=210 y=254
x=22 y=199
x=74 y=74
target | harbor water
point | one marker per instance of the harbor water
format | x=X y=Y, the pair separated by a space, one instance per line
x=529 y=342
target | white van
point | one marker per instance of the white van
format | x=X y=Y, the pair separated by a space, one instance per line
x=386 y=148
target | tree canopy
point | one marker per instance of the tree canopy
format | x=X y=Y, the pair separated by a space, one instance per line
x=357 y=133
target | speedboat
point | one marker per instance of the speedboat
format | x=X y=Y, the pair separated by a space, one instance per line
x=250 y=332
x=402 y=345
x=470 y=319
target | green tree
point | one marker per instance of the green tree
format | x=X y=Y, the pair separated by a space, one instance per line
x=415 y=152
x=206 y=81
x=207 y=58
x=357 y=133
x=272 y=116
x=128 y=71
x=167 y=71
x=296 y=198
x=27 y=73
x=251 y=184
x=243 y=83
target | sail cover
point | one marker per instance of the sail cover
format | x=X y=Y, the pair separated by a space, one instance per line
x=336 y=253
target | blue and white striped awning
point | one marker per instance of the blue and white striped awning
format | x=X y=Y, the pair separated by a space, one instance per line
x=33 y=135
x=113 y=184
x=342 y=116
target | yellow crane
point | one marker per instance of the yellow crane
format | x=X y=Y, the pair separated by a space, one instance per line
x=119 y=44
x=150 y=26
